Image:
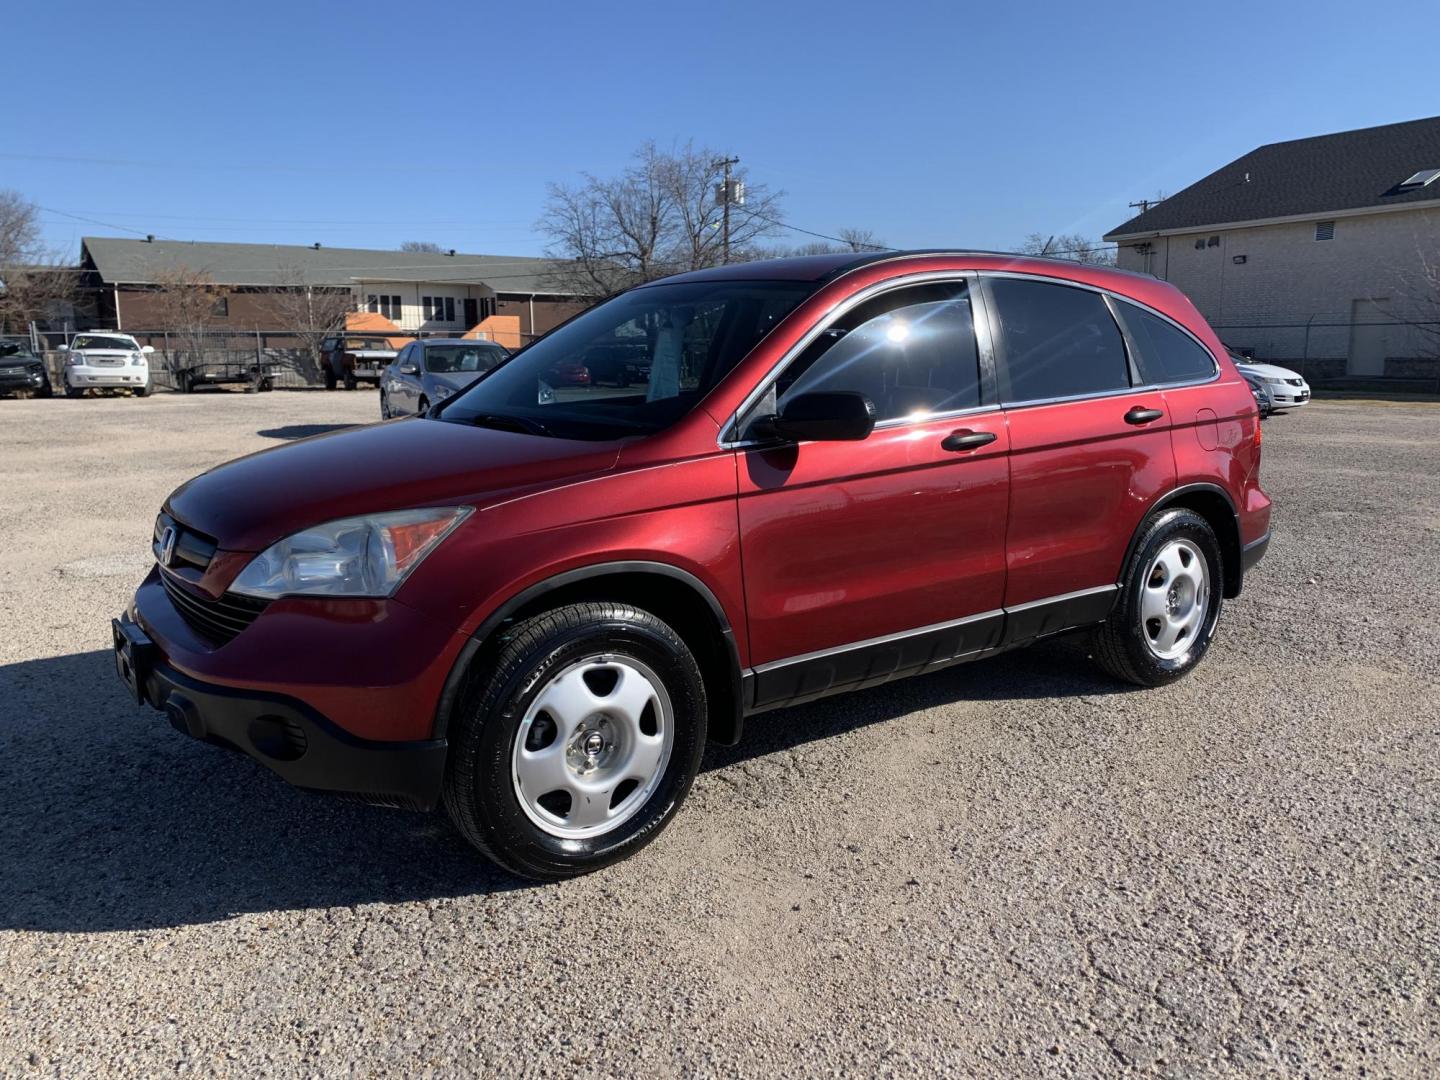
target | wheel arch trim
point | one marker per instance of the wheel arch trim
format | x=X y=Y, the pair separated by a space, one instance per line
x=1234 y=569
x=517 y=601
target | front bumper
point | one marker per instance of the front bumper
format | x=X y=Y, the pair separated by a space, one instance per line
x=119 y=376
x=11 y=379
x=1289 y=397
x=285 y=735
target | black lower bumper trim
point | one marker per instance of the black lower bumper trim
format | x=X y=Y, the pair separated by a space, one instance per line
x=283 y=734
x=1254 y=552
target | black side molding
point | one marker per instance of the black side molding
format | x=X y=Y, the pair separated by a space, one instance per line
x=1254 y=551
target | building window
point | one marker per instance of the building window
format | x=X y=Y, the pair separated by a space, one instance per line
x=1324 y=230
x=438 y=308
x=221 y=307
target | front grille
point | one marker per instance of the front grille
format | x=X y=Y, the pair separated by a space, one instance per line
x=220 y=620
x=192 y=549
x=105 y=361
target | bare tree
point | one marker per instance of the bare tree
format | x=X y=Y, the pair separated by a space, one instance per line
x=1070 y=246
x=857 y=240
x=35 y=284
x=187 y=302
x=309 y=312
x=1415 y=290
x=662 y=215
x=421 y=246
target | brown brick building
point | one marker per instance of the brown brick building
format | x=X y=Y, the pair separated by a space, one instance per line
x=419 y=291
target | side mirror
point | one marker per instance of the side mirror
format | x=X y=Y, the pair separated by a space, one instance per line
x=832 y=416
x=409 y=369
x=64 y=348
x=147 y=349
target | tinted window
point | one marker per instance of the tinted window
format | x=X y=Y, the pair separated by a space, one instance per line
x=1166 y=353
x=450 y=359
x=656 y=351
x=911 y=352
x=1057 y=341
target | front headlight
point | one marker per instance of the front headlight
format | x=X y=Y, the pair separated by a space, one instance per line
x=136 y=359
x=442 y=392
x=74 y=359
x=357 y=557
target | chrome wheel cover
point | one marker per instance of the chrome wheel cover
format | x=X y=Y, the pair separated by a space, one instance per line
x=593 y=746
x=1174 y=599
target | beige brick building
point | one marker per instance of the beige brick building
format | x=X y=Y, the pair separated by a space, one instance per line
x=1321 y=253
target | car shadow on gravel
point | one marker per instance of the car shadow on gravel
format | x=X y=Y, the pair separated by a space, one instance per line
x=114 y=821
x=301 y=431
x=1058 y=668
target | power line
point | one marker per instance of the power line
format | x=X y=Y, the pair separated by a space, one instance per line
x=811 y=232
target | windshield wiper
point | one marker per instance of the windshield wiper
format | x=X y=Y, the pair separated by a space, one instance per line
x=502 y=422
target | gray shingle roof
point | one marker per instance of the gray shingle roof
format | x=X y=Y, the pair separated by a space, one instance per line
x=1346 y=171
x=124 y=261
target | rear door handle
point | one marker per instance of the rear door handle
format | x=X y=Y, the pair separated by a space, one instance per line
x=1141 y=415
x=965 y=439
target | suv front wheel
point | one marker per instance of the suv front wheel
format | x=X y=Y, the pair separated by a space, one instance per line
x=1169 y=602
x=577 y=744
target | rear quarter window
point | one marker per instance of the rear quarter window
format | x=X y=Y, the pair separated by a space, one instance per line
x=1167 y=354
x=1056 y=341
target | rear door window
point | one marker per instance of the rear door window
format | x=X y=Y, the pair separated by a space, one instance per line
x=1166 y=353
x=1056 y=342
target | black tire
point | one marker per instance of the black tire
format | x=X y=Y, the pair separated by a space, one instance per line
x=183 y=385
x=45 y=389
x=330 y=381
x=479 y=791
x=422 y=406
x=73 y=391
x=143 y=391
x=1122 y=646
x=266 y=385
x=350 y=381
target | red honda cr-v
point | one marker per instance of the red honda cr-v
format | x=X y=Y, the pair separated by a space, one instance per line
x=539 y=601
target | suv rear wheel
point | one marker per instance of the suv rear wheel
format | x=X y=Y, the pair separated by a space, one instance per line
x=578 y=742
x=1169 y=603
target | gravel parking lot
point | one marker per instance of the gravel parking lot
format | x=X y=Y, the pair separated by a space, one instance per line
x=1014 y=868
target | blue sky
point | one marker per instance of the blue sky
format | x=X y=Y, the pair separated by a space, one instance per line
x=929 y=123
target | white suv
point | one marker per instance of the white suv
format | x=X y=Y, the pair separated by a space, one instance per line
x=108 y=360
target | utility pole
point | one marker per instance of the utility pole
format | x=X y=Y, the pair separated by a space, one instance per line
x=729 y=191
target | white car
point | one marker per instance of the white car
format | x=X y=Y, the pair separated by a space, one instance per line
x=106 y=360
x=1287 y=388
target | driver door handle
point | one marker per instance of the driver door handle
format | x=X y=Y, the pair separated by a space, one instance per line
x=965 y=439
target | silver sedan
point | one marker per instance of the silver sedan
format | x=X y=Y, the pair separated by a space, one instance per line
x=428 y=371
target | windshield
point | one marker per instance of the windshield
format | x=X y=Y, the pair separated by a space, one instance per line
x=95 y=341
x=633 y=365
x=9 y=349
x=367 y=344
x=447 y=359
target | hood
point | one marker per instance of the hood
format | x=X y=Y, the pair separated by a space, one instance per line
x=1266 y=371
x=19 y=360
x=250 y=503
